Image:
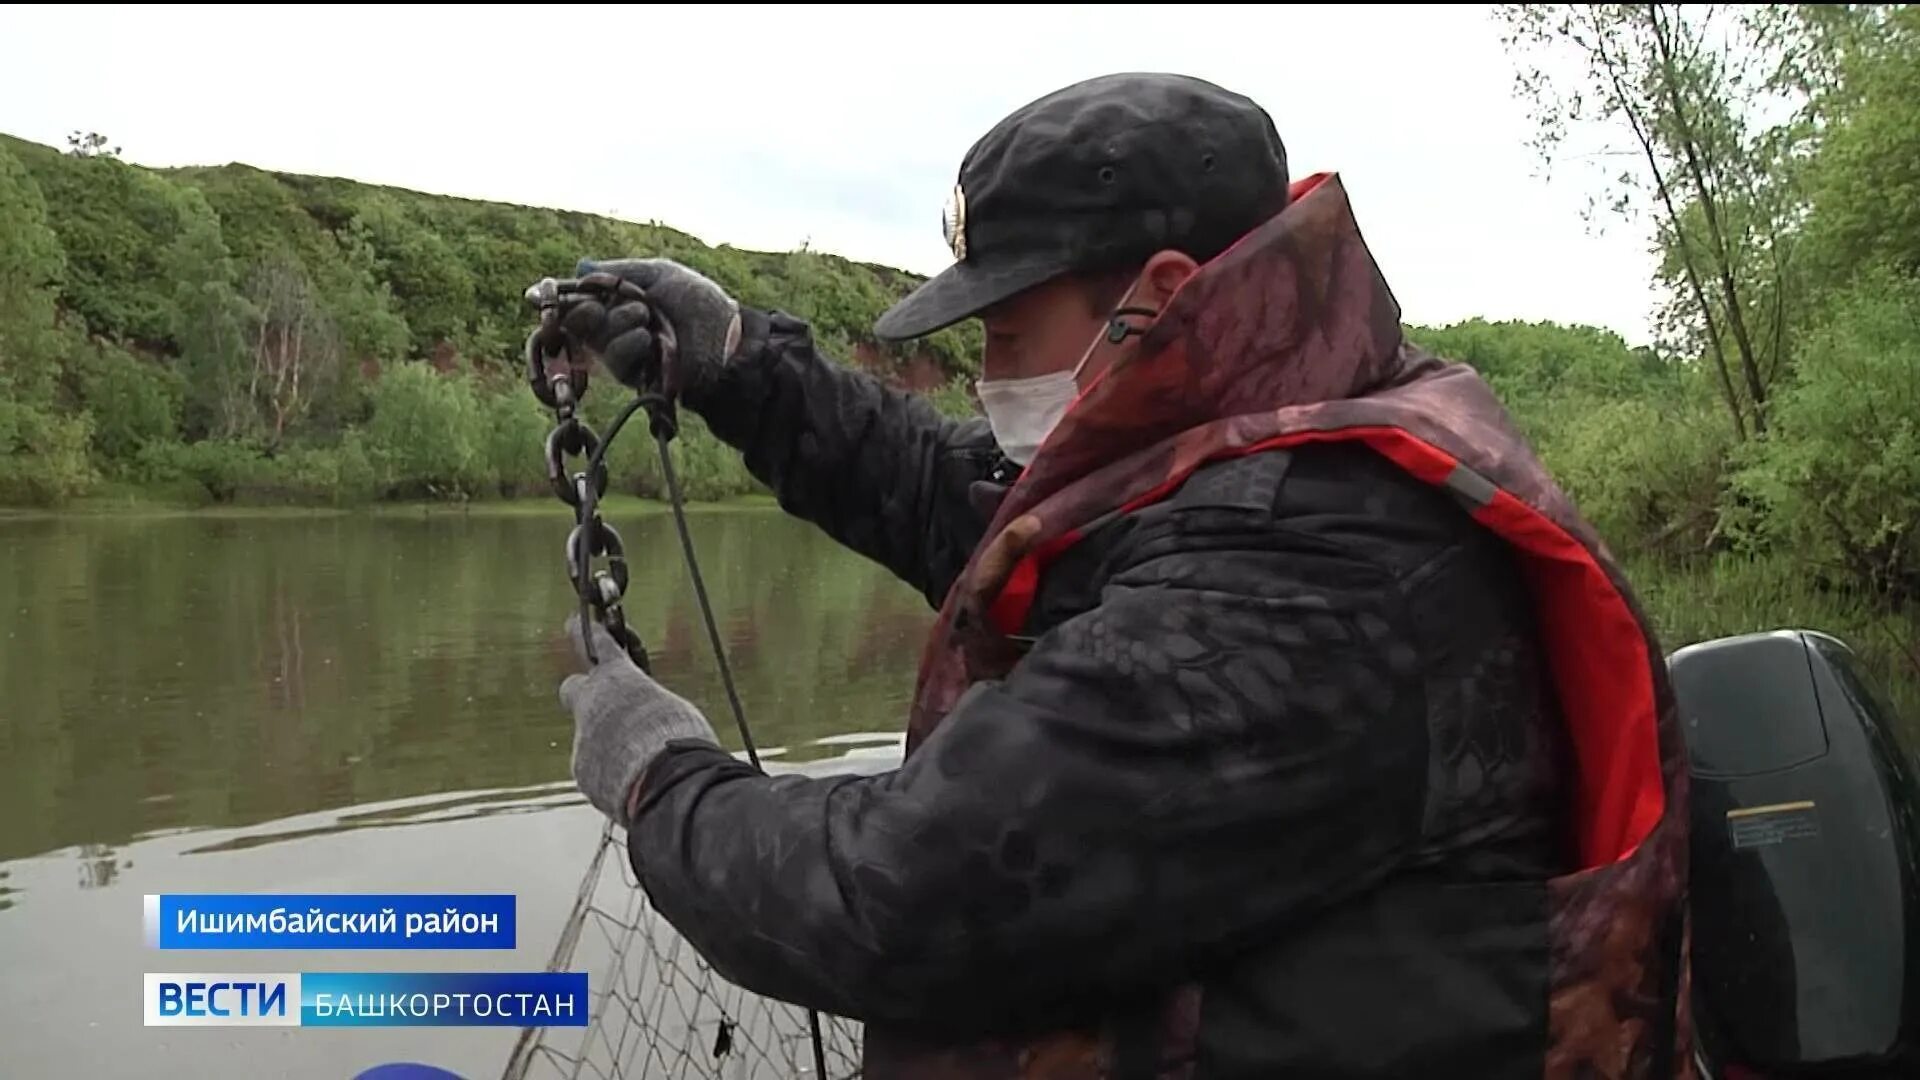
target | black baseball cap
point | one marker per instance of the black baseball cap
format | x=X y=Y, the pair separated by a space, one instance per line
x=1092 y=177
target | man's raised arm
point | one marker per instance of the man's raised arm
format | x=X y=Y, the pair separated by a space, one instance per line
x=879 y=469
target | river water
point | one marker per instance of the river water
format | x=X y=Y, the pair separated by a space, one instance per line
x=312 y=703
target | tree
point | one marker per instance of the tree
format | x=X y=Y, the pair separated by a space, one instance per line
x=1688 y=85
x=91 y=144
x=1865 y=185
x=209 y=325
x=294 y=344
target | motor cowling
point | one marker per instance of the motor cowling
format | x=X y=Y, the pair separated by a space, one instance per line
x=1805 y=877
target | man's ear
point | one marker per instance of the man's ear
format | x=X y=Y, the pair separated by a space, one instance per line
x=1163 y=275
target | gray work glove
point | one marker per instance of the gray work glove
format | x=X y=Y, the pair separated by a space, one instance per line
x=622 y=720
x=705 y=320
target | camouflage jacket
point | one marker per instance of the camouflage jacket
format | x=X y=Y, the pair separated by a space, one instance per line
x=1245 y=743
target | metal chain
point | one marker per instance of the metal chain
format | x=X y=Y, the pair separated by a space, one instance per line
x=559 y=380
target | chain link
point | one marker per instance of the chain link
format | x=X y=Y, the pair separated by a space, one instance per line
x=559 y=382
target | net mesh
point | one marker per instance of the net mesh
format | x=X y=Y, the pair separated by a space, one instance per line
x=658 y=1010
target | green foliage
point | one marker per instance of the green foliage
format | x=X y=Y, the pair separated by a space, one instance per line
x=361 y=303
x=341 y=475
x=115 y=223
x=1706 y=108
x=427 y=281
x=1528 y=361
x=43 y=456
x=840 y=306
x=423 y=436
x=1865 y=202
x=239 y=472
x=209 y=323
x=295 y=347
x=1774 y=150
x=265 y=224
x=134 y=403
x=955 y=399
x=260 y=304
x=1645 y=470
x=706 y=468
x=1838 y=483
x=512 y=435
x=31 y=268
x=222 y=468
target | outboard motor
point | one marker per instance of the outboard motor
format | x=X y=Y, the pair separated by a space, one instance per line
x=1806 y=862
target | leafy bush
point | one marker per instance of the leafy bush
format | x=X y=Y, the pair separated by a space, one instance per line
x=424 y=435
x=230 y=471
x=1865 y=182
x=513 y=433
x=1837 y=482
x=707 y=468
x=1645 y=471
x=43 y=456
x=355 y=476
x=1531 y=361
x=222 y=468
x=134 y=402
x=342 y=475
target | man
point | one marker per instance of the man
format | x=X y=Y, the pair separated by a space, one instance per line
x=1281 y=718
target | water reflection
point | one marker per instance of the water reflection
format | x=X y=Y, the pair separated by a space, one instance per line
x=170 y=673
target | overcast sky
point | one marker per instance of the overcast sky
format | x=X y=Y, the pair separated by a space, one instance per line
x=843 y=128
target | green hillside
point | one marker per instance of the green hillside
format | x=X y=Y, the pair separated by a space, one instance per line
x=234 y=334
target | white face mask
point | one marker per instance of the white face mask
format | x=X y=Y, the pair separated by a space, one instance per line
x=1023 y=412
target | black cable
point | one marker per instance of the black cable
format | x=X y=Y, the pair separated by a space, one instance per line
x=599 y=459
x=663 y=432
x=700 y=593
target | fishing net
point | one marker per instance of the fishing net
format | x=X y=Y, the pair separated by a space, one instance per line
x=658 y=1010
